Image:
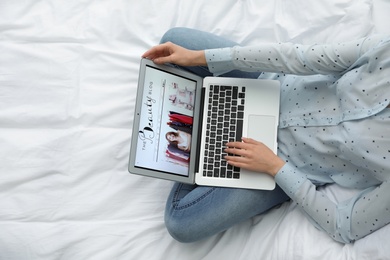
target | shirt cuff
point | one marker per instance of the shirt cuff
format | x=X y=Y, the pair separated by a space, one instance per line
x=219 y=61
x=289 y=179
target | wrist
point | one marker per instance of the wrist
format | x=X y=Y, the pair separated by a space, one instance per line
x=199 y=58
x=279 y=163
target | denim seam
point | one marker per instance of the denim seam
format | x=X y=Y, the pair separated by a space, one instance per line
x=191 y=203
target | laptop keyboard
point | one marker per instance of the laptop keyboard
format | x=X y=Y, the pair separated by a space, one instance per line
x=224 y=124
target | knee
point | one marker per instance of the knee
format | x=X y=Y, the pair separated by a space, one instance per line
x=179 y=230
x=175 y=35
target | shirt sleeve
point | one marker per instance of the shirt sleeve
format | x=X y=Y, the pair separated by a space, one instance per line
x=290 y=58
x=345 y=221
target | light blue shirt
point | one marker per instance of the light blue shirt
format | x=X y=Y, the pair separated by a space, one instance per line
x=334 y=126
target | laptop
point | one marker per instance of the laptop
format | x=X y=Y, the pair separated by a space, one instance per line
x=182 y=123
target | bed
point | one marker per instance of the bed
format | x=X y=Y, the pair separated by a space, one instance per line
x=68 y=77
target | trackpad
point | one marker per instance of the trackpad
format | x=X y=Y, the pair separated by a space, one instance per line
x=263 y=128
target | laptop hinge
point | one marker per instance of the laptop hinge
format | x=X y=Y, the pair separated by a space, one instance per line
x=198 y=155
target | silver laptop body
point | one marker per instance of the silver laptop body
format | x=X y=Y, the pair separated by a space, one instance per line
x=182 y=121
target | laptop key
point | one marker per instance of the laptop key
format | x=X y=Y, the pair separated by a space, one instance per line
x=223 y=172
x=240 y=125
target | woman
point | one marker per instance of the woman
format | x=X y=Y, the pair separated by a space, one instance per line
x=333 y=129
x=180 y=139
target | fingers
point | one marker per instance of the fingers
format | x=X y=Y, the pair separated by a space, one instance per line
x=239 y=157
x=240 y=148
x=246 y=142
x=246 y=148
x=236 y=151
x=249 y=140
x=237 y=161
x=159 y=53
x=162 y=60
x=175 y=54
x=158 y=49
x=234 y=160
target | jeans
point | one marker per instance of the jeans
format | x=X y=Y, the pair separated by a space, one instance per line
x=198 y=40
x=196 y=212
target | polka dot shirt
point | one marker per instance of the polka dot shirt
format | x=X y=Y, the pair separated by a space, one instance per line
x=334 y=126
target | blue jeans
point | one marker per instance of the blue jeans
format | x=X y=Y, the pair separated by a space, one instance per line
x=196 y=212
x=198 y=40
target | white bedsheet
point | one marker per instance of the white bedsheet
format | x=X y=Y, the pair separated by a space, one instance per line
x=68 y=75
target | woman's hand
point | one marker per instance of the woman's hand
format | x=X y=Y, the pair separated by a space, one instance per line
x=172 y=53
x=253 y=155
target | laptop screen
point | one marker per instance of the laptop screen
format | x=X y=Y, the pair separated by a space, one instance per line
x=166 y=122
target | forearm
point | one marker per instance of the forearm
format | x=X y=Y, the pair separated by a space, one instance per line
x=319 y=209
x=344 y=221
x=290 y=58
